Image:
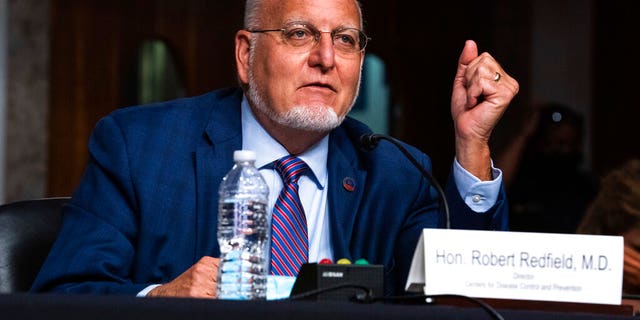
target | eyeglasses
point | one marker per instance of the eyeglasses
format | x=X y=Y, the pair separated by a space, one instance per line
x=300 y=35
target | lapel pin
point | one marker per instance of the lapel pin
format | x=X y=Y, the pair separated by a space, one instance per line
x=349 y=184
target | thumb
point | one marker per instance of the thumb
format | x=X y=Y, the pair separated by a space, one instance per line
x=459 y=94
x=469 y=52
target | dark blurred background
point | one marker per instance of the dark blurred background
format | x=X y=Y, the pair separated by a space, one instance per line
x=66 y=63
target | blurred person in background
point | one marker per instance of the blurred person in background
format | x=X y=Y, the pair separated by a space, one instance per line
x=616 y=211
x=543 y=166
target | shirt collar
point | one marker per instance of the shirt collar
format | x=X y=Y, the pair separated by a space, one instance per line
x=268 y=149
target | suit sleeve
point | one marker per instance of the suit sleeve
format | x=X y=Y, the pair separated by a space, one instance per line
x=95 y=248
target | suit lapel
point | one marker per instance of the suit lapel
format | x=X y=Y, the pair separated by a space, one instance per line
x=213 y=159
x=346 y=189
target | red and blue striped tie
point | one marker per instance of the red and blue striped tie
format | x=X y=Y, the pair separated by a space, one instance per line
x=290 y=242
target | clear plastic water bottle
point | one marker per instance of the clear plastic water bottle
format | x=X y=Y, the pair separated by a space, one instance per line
x=244 y=231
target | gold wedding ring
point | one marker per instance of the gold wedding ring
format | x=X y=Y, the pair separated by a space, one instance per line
x=497 y=77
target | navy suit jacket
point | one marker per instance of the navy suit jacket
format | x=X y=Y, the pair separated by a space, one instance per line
x=146 y=208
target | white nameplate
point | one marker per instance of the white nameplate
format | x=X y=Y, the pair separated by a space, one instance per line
x=518 y=265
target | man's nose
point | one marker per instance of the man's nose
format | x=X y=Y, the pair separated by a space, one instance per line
x=323 y=53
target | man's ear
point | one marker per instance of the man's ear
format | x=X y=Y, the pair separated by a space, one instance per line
x=243 y=46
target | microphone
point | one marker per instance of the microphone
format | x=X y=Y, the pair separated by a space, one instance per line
x=368 y=142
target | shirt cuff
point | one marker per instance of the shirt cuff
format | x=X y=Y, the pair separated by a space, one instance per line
x=479 y=195
x=279 y=287
x=146 y=290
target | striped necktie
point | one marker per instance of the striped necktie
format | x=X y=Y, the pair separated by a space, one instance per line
x=290 y=242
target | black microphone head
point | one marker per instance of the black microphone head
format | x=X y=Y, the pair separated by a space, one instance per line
x=369 y=141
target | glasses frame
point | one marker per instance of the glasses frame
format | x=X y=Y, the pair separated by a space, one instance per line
x=363 y=39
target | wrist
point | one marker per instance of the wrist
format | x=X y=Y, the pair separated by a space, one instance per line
x=475 y=158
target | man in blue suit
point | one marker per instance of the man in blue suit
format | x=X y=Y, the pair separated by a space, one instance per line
x=143 y=220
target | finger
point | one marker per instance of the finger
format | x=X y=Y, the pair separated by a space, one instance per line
x=480 y=85
x=209 y=275
x=469 y=52
x=209 y=260
x=458 y=97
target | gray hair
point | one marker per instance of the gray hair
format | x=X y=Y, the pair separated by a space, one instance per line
x=252 y=14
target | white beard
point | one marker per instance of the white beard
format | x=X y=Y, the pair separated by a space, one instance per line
x=318 y=118
x=308 y=118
